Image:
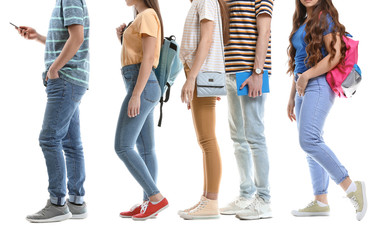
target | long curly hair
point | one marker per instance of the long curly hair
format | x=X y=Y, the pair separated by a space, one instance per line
x=315 y=27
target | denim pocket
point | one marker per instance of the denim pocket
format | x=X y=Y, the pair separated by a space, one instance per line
x=152 y=91
x=77 y=93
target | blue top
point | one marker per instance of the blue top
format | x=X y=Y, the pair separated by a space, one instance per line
x=67 y=13
x=299 y=44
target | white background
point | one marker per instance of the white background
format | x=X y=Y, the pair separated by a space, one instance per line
x=354 y=131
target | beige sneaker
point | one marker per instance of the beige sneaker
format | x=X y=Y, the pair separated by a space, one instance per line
x=180 y=212
x=206 y=209
x=359 y=200
x=313 y=209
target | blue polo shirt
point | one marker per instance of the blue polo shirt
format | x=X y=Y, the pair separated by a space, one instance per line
x=67 y=13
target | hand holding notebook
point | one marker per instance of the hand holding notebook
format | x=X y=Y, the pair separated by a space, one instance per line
x=243 y=76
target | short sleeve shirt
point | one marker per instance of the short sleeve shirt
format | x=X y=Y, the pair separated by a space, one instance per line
x=67 y=13
x=300 y=45
x=240 y=52
x=200 y=10
x=148 y=23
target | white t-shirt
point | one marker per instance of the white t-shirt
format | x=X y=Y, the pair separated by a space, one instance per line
x=203 y=9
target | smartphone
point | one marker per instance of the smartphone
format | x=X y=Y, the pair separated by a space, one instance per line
x=13 y=25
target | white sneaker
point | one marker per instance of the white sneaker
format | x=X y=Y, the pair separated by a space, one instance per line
x=258 y=209
x=239 y=204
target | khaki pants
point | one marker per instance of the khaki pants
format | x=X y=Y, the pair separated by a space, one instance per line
x=204 y=119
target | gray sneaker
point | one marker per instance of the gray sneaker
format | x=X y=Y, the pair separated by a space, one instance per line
x=78 y=211
x=50 y=213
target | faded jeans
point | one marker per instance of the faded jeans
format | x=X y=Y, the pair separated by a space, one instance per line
x=246 y=122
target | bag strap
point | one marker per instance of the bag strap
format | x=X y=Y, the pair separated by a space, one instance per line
x=221 y=32
x=162 y=101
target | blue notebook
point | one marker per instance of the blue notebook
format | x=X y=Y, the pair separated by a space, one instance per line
x=242 y=76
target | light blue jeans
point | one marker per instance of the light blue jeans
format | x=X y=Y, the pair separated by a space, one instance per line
x=246 y=122
x=311 y=112
x=61 y=132
x=139 y=131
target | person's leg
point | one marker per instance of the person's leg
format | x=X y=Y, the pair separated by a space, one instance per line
x=319 y=177
x=240 y=144
x=127 y=133
x=146 y=147
x=58 y=115
x=73 y=149
x=204 y=119
x=253 y=114
x=316 y=104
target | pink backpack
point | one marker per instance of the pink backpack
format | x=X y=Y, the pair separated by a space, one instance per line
x=346 y=76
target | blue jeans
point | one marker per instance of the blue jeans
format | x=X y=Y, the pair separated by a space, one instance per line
x=311 y=112
x=61 y=131
x=139 y=131
x=246 y=122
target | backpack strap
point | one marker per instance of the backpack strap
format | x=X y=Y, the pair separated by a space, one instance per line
x=162 y=101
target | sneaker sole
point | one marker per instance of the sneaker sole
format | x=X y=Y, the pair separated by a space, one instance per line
x=361 y=214
x=190 y=217
x=79 y=216
x=310 y=214
x=151 y=216
x=265 y=216
x=53 y=219
x=229 y=213
x=122 y=216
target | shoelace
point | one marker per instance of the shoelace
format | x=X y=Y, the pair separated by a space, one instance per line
x=310 y=204
x=144 y=207
x=201 y=205
x=355 y=203
x=241 y=202
x=256 y=204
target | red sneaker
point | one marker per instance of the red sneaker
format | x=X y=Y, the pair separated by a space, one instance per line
x=149 y=210
x=134 y=210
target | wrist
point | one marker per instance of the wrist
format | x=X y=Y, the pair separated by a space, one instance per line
x=53 y=69
x=135 y=95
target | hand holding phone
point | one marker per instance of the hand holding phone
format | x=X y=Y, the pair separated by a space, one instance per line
x=27 y=32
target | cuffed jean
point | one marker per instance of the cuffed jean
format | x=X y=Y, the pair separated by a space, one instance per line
x=61 y=131
x=139 y=131
x=246 y=122
x=311 y=112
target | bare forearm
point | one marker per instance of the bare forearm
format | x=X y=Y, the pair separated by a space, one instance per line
x=41 y=39
x=201 y=55
x=144 y=73
x=293 y=90
x=261 y=50
x=69 y=50
x=322 y=67
x=264 y=32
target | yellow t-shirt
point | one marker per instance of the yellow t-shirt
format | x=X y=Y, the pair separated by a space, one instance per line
x=148 y=23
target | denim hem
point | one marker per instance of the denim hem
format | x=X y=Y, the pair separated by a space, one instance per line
x=320 y=193
x=57 y=200
x=152 y=194
x=76 y=199
x=341 y=180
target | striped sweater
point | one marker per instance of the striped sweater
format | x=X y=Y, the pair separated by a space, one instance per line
x=240 y=52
